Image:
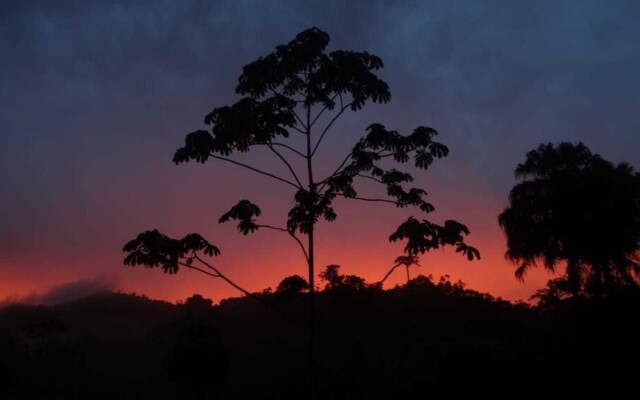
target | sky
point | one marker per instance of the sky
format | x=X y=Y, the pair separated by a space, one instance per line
x=96 y=96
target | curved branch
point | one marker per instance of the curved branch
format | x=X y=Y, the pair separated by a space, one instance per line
x=284 y=160
x=290 y=148
x=198 y=269
x=324 y=109
x=299 y=130
x=230 y=282
x=281 y=145
x=254 y=169
x=342 y=164
x=324 y=181
x=390 y=271
x=371 y=177
x=293 y=236
x=370 y=199
x=326 y=129
x=301 y=123
x=275 y=228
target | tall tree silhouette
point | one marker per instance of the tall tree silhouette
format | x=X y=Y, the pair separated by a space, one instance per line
x=294 y=96
x=573 y=208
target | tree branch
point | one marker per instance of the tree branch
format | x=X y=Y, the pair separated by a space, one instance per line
x=323 y=110
x=299 y=130
x=284 y=160
x=230 y=282
x=390 y=271
x=198 y=269
x=324 y=181
x=370 y=199
x=342 y=164
x=372 y=178
x=326 y=129
x=290 y=148
x=301 y=123
x=281 y=145
x=293 y=236
x=254 y=169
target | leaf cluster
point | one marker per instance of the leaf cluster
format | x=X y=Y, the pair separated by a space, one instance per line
x=423 y=236
x=154 y=249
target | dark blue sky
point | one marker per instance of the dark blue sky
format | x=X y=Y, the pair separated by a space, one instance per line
x=95 y=97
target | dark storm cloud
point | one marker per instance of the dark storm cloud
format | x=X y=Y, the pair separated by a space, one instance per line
x=95 y=95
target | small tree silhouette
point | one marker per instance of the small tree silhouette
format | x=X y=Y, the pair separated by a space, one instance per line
x=291 y=92
x=573 y=207
x=331 y=275
x=405 y=261
x=293 y=284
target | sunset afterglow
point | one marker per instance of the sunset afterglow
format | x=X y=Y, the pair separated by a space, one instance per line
x=93 y=110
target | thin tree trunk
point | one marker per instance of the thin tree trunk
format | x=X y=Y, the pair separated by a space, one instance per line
x=312 y=289
x=312 y=318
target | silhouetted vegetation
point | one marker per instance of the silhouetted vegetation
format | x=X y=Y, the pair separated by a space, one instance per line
x=294 y=284
x=575 y=210
x=571 y=211
x=292 y=98
x=428 y=338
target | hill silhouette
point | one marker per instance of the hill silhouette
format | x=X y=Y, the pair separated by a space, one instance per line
x=431 y=338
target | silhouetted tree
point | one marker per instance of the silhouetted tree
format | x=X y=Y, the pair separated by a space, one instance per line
x=353 y=282
x=332 y=276
x=573 y=207
x=406 y=261
x=335 y=280
x=290 y=94
x=197 y=302
x=553 y=294
x=293 y=284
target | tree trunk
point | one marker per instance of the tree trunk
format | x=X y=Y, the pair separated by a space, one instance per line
x=312 y=289
x=312 y=318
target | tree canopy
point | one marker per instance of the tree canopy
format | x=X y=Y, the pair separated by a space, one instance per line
x=292 y=91
x=574 y=208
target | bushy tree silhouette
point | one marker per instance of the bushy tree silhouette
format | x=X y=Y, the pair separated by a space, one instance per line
x=291 y=93
x=573 y=207
x=335 y=280
x=293 y=284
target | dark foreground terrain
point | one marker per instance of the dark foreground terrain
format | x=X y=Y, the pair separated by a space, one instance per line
x=426 y=339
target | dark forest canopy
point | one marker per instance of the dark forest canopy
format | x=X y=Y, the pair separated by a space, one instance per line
x=424 y=338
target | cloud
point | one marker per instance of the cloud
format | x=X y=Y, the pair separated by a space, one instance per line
x=66 y=292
